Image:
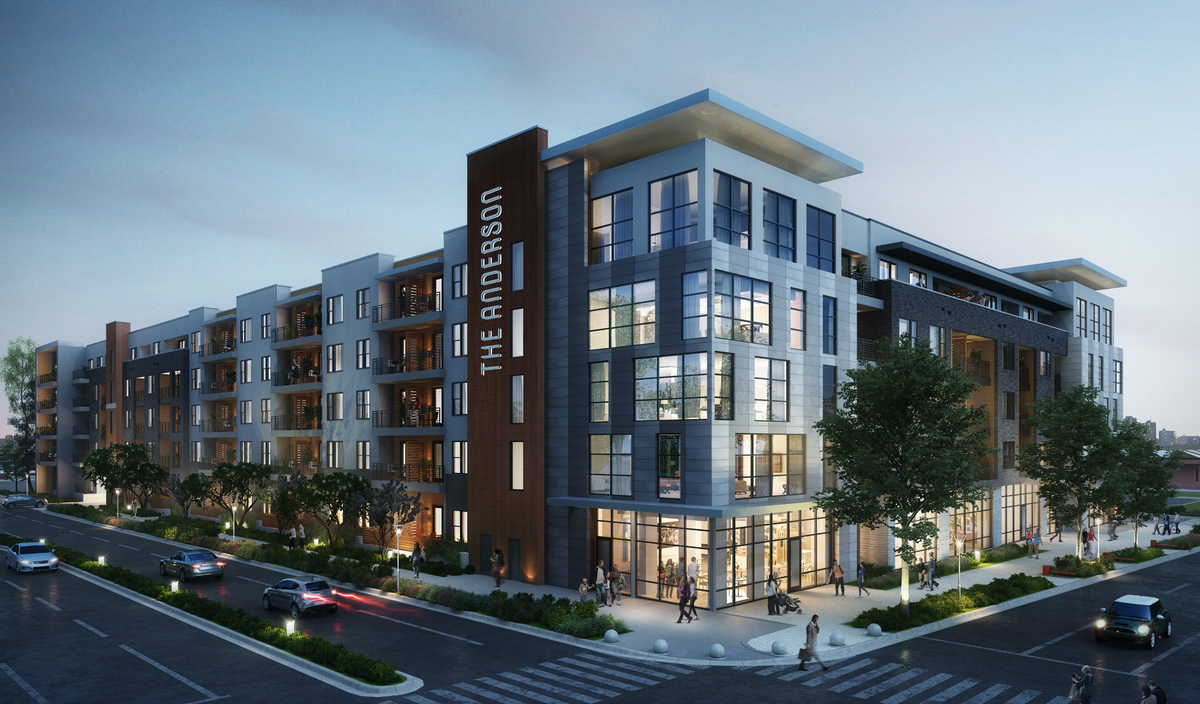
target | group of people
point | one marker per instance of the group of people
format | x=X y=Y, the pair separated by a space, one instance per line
x=1163 y=525
x=608 y=585
x=293 y=533
x=837 y=577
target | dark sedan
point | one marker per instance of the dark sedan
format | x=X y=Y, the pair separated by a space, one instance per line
x=1137 y=619
x=192 y=564
x=15 y=500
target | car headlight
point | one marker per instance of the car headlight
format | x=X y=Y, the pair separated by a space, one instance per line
x=1101 y=623
x=26 y=562
x=53 y=560
x=1143 y=629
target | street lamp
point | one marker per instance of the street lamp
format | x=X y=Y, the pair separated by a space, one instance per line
x=118 y=503
x=959 y=543
x=399 y=528
x=234 y=507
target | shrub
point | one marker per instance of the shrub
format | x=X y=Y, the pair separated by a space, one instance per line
x=1086 y=568
x=465 y=601
x=446 y=596
x=584 y=609
x=1138 y=554
x=938 y=606
x=1183 y=542
x=556 y=616
x=469 y=569
x=413 y=591
x=382 y=570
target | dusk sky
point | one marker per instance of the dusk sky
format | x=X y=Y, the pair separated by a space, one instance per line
x=158 y=157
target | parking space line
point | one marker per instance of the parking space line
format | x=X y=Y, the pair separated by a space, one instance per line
x=14 y=586
x=265 y=584
x=75 y=532
x=47 y=603
x=1156 y=660
x=33 y=693
x=126 y=546
x=1052 y=642
x=91 y=628
x=1181 y=586
x=101 y=539
x=170 y=672
x=413 y=625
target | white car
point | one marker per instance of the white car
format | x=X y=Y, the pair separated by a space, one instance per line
x=31 y=557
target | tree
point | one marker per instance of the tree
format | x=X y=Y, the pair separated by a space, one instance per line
x=328 y=498
x=385 y=507
x=127 y=467
x=904 y=443
x=1076 y=463
x=286 y=498
x=1147 y=476
x=192 y=489
x=240 y=484
x=18 y=370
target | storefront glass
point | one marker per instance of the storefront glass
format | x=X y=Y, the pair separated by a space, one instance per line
x=667 y=544
x=971 y=523
x=613 y=543
x=1022 y=508
x=795 y=546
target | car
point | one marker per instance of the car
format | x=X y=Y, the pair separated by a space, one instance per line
x=15 y=500
x=1136 y=619
x=31 y=557
x=301 y=595
x=190 y=564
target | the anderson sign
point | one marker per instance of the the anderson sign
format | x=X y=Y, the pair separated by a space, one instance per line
x=491 y=282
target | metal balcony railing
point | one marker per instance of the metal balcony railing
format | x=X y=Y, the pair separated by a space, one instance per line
x=47 y=378
x=218 y=425
x=423 y=418
x=47 y=430
x=295 y=332
x=407 y=307
x=47 y=403
x=48 y=456
x=139 y=428
x=80 y=373
x=296 y=422
x=419 y=361
x=80 y=401
x=77 y=458
x=139 y=396
x=867 y=285
x=80 y=430
x=295 y=376
x=429 y=473
x=866 y=350
x=224 y=386
x=219 y=347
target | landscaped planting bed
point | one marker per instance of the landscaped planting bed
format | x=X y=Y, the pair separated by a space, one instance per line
x=883 y=577
x=946 y=604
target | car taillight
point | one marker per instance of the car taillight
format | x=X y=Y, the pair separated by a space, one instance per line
x=220 y=564
x=310 y=597
x=196 y=567
x=333 y=592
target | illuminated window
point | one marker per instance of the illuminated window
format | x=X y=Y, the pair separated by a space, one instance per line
x=621 y=316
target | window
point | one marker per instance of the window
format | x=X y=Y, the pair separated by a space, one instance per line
x=458 y=457
x=362 y=454
x=731 y=210
x=1008 y=352
x=670 y=470
x=128 y=419
x=244 y=330
x=247 y=412
x=612 y=227
x=1028 y=313
x=768 y=465
x=264 y=326
x=517 y=413
x=517 y=253
x=828 y=325
x=742 y=308
x=779 y=226
x=887 y=270
x=133 y=353
x=333 y=358
x=828 y=391
x=459 y=531
x=246 y=370
x=674 y=212
x=128 y=387
x=671 y=387
x=820 y=239
x=362 y=354
x=770 y=389
x=1095 y=322
x=458 y=398
x=612 y=465
x=458 y=335
x=918 y=278
x=1100 y=373
x=458 y=280
x=1008 y=410
x=362 y=303
x=333 y=454
x=264 y=410
x=264 y=368
x=1044 y=363
x=518 y=332
x=244 y=451
x=195 y=415
x=362 y=405
x=1118 y=377
x=906 y=327
x=264 y=452
x=723 y=385
x=695 y=305
x=797 y=319
x=1107 y=331
x=333 y=403
x=333 y=310
x=599 y=395
x=155 y=347
x=196 y=445
x=1080 y=317
x=517 y=463
x=621 y=316
x=1091 y=369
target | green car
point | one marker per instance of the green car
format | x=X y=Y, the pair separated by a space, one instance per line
x=1138 y=619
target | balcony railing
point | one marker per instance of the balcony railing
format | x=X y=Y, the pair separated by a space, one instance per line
x=219 y=347
x=80 y=401
x=139 y=428
x=218 y=425
x=423 y=418
x=139 y=396
x=80 y=373
x=420 y=361
x=47 y=378
x=866 y=285
x=295 y=332
x=47 y=403
x=407 y=307
x=48 y=456
x=48 y=430
x=295 y=422
x=429 y=473
x=81 y=430
x=224 y=386
x=866 y=350
x=167 y=426
x=979 y=370
x=168 y=461
x=312 y=375
x=77 y=458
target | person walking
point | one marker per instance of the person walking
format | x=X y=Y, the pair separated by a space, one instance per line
x=693 y=592
x=1112 y=526
x=584 y=588
x=615 y=582
x=838 y=576
x=1092 y=543
x=684 y=595
x=1085 y=685
x=662 y=576
x=693 y=570
x=1160 y=697
x=1157 y=525
x=1147 y=695
x=1057 y=530
x=497 y=563
x=1176 y=521
x=862 y=576
x=301 y=536
x=418 y=556
x=924 y=578
x=809 y=651
x=772 y=598
x=599 y=583
x=292 y=537
x=1037 y=544
x=1029 y=542
x=933 y=583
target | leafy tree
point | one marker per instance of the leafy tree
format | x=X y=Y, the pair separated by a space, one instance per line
x=905 y=443
x=329 y=498
x=1077 y=462
x=127 y=467
x=385 y=507
x=285 y=497
x=18 y=371
x=240 y=484
x=192 y=489
x=1147 y=477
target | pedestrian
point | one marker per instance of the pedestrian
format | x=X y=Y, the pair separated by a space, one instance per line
x=684 y=595
x=772 y=599
x=933 y=583
x=693 y=592
x=1147 y=696
x=862 y=577
x=1085 y=685
x=615 y=582
x=1160 y=697
x=662 y=576
x=1037 y=544
x=1112 y=526
x=301 y=536
x=693 y=570
x=809 y=651
x=497 y=563
x=599 y=583
x=1092 y=543
x=924 y=578
x=1157 y=525
x=418 y=556
x=1176 y=521
x=786 y=603
x=292 y=537
x=584 y=588
x=1057 y=529
x=838 y=575
x=1029 y=541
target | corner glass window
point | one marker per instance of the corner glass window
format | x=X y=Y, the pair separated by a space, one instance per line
x=612 y=227
x=731 y=210
x=674 y=212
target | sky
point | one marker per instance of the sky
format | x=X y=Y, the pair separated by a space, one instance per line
x=159 y=157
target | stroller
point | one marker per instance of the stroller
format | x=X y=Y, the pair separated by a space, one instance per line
x=786 y=603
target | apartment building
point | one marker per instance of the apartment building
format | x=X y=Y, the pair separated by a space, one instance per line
x=619 y=357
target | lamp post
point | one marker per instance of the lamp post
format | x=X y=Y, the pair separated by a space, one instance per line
x=118 y=503
x=234 y=521
x=960 y=544
x=399 y=528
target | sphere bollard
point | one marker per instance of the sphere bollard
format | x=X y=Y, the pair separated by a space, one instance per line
x=717 y=651
x=610 y=636
x=778 y=648
x=874 y=630
x=837 y=639
x=660 y=646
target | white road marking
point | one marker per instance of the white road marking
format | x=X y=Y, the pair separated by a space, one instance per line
x=14 y=586
x=413 y=625
x=864 y=677
x=1034 y=657
x=76 y=532
x=486 y=694
x=549 y=688
x=951 y=692
x=517 y=690
x=33 y=693
x=1181 y=586
x=170 y=672
x=889 y=683
x=798 y=673
x=164 y=557
x=608 y=671
x=772 y=670
x=1156 y=660
x=917 y=689
x=101 y=539
x=589 y=676
x=1064 y=637
x=130 y=547
x=634 y=668
x=265 y=584
x=455 y=697
x=418 y=699
x=839 y=672
x=987 y=694
x=37 y=521
x=47 y=603
x=54 y=526
x=743 y=668
x=574 y=683
x=90 y=628
x=1023 y=697
x=1059 y=700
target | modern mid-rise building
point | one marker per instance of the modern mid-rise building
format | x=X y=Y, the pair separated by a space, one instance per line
x=620 y=356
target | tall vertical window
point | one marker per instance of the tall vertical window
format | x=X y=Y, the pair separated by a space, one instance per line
x=246 y=370
x=779 y=226
x=516 y=253
x=887 y=270
x=906 y=327
x=1044 y=363
x=458 y=334
x=333 y=454
x=244 y=451
x=1118 y=377
x=1095 y=322
x=155 y=347
x=1028 y=313
x=742 y=308
x=517 y=464
x=621 y=316
x=670 y=466
x=264 y=452
x=196 y=450
x=768 y=465
x=828 y=325
x=1091 y=369
x=333 y=358
x=247 y=412
x=1107 y=334
x=518 y=399
x=731 y=210
x=458 y=280
x=820 y=239
x=695 y=386
x=1008 y=408
x=362 y=303
x=674 y=212
x=598 y=372
x=459 y=530
x=333 y=310
x=828 y=390
x=362 y=454
x=722 y=385
x=333 y=406
x=695 y=305
x=796 y=339
x=458 y=398
x=264 y=326
x=195 y=415
x=1008 y=354
x=458 y=457
x=196 y=345
x=518 y=332
x=362 y=405
x=264 y=410
x=1100 y=373
x=671 y=387
x=362 y=354
x=244 y=330
x=264 y=368
x=1080 y=317
x=612 y=227
x=611 y=464
x=770 y=389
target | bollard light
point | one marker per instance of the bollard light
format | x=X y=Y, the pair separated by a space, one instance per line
x=291 y=627
x=102 y=559
x=174 y=586
x=316 y=542
x=960 y=544
x=977 y=556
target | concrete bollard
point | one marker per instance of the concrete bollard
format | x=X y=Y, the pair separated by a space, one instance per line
x=874 y=630
x=660 y=646
x=837 y=639
x=779 y=648
x=610 y=636
x=717 y=651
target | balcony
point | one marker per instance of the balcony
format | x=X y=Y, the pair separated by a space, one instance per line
x=168 y=461
x=77 y=460
x=139 y=428
x=866 y=350
x=47 y=431
x=224 y=386
x=47 y=404
x=296 y=377
x=50 y=378
x=978 y=370
x=80 y=374
x=139 y=396
x=81 y=431
x=423 y=418
x=48 y=457
x=218 y=425
x=81 y=402
x=295 y=332
x=165 y=427
x=210 y=349
x=420 y=361
x=407 y=307
x=426 y=473
x=296 y=422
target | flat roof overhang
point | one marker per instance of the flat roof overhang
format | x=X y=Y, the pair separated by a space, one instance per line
x=738 y=510
x=1079 y=270
x=707 y=114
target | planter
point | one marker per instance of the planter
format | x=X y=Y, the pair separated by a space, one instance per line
x=464 y=558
